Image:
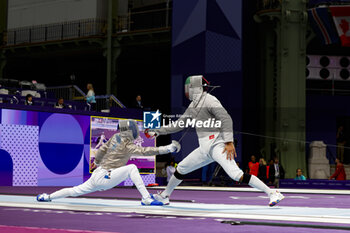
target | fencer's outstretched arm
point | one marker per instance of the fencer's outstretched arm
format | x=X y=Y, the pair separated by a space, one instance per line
x=139 y=150
x=174 y=127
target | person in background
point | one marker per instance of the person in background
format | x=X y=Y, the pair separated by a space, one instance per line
x=253 y=166
x=276 y=173
x=138 y=102
x=60 y=103
x=170 y=170
x=340 y=142
x=299 y=175
x=268 y=170
x=101 y=140
x=262 y=170
x=29 y=100
x=339 y=173
x=90 y=96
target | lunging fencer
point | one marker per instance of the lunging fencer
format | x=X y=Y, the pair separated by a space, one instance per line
x=215 y=143
x=110 y=160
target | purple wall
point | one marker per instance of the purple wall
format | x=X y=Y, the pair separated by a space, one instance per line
x=47 y=149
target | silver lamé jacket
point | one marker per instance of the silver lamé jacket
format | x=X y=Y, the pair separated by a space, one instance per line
x=117 y=151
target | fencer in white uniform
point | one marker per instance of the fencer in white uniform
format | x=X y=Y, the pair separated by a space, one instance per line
x=215 y=141
x=111 y=169
x=102 y=140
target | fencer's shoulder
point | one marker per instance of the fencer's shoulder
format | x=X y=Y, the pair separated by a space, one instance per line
x=117 y=138
x=212 y=99
x=114 y=143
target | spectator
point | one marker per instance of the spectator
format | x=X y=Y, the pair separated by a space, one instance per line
x=262 y=170
x=29 y=100
x=271 y=162
x=101 y=140
x=299 y=175
x=276 y=173
x=339 y=173
x=340 y=142
x=138 y=102
x=253 y=166
x=60 y=103
x=90 y=96
x=170 y=170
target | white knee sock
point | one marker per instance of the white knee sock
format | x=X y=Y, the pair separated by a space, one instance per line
x=255 y=182
x=136 y=178
x=173 y=182
x=66 y=192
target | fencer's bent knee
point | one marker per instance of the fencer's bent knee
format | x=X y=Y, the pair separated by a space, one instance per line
x=246 y=178
x=178 y=175
x=132 y=167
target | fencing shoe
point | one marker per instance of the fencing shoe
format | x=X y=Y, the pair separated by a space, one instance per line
x=43 y=197
x=159 y=197
x=150 y=201
x=275 y=198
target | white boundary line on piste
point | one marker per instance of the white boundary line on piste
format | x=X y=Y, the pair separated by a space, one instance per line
x=282 y=190
x=254 y=212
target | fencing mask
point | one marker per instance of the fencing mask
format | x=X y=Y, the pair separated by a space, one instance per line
x=129 y=129
x=194 y=87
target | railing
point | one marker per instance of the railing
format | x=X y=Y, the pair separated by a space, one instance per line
x=73 y=92
x=12 y=100
x=143 y=20
x=68 y=92
x=105 y=102
x=57 y=31
x=133 y=21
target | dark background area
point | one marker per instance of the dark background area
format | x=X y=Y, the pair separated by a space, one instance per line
x=143 y=70
x=146 y=70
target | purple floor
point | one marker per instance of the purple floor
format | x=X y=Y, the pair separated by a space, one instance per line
x=132 y=222
x=211 y=197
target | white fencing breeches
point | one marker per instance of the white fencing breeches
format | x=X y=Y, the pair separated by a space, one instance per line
x=102 y=179
x=197 y=159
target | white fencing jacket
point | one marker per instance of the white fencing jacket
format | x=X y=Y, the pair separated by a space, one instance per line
x=207 y=109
